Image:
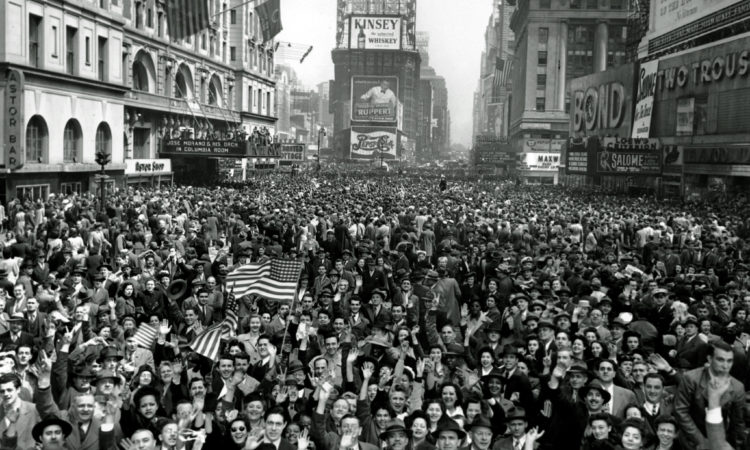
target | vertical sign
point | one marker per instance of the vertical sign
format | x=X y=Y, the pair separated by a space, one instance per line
x=644 y=103
x=14 y=138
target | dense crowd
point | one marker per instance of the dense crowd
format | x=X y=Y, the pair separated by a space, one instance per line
x=431 y=313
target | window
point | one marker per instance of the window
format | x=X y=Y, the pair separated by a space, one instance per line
x=540 y=103
x=54 y=41
x=71 y=42
x=159 y=25
x=542 y=58
x=575 y=4
x=103 y=139
x=541 y=81
x=260 y=101
x=203 y=41
x=70 y=188
x=150 y=17
x=102 y=62
x=223 y=51
x=141 y=143
x=36 y=140
x=140 y=77
x=543 y=35
x=33 y=192
x=202 y=97
x=545 y=4
x=139 y=15
x=592 y=4
x=233 y=53
x=35 y=23
x=233 y=17
x=214 y=92
x=268 y=104
x=72 y=141
x=616 y=4
x=255 y=98
x=88 y=51
x=250 y=98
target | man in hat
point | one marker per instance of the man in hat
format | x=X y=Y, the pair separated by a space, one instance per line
x=375 y=311
x=50 y=434
x=517 y=423
x=16 y=336
x=620 y=397
x=517 y=386
x=481 y=434
x=691 y=349
x=449 y=434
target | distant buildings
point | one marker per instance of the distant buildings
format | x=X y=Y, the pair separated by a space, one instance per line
x=433 y=117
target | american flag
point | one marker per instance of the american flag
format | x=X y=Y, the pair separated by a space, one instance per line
x=145 y=336
x=502 y=71
x=208 y=343
x=275 y=279
x=186 y=17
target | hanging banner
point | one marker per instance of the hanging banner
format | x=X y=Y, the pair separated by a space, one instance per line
x=644 y=105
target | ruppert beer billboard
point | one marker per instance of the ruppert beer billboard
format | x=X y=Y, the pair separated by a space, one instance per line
x=375 y=99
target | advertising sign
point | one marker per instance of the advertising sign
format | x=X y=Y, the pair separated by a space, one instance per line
x=203 y=147
x=373 y=143
x=14 y=139
x=580 y=154
x=627 y=156
x=375 y=33
x=672 y=157
x=539 y=145
x=542 y=161
x=603 y=102
x=671 y=14
x=292 y=152
x=147 y=166
x=375 y=99
x=644 y=102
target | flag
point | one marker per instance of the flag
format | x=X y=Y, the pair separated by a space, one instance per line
x=186 y=17
x=275 y=279
x=230 y=311
x=145 y=336
x=208 y=342
x=499 y=67
x=269 y=15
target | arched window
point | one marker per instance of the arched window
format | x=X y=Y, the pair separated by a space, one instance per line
x=215 y=94
x=103 y=139
x=36 y=140
x=184 y=83
x=140 y=77
x=72 y=141
x=144 y=73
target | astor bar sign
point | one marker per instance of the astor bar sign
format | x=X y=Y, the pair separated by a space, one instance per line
x=14 y=137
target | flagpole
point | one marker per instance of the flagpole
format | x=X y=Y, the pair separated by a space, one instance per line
x=233 y=7
x=291 y=308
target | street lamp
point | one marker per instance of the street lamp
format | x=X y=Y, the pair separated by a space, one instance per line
x=322 y=131
x=102 y=158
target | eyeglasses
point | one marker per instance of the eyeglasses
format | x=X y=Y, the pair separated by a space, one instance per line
x=236 y=429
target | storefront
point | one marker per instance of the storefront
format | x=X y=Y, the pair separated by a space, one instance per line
x=148 y=172
x=702 y=117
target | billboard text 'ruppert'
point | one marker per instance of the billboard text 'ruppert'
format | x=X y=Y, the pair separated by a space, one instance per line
x=705 y=71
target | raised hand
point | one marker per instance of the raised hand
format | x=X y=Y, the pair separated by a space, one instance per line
x=164 y=327
x=231 y=415
x=367 y=370
x=127 y=444
x=348 y=440
x=282 y=395
x=303 y=440
x=659 y=362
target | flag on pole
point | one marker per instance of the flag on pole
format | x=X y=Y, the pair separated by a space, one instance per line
x=145 y=335
x=269 y=15
x=275 y=279
x=230 y=319
x=187 y=17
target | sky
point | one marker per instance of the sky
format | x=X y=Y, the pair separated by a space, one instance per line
x=456 y=29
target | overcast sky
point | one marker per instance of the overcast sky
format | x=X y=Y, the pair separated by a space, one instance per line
x=456 y=30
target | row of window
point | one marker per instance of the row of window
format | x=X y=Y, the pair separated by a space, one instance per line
x=588 y=4
x=37 y=140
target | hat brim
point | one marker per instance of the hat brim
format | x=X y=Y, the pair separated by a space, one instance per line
x=461 y=433
x=606 y=397
x=385 y=434
x=38 y=429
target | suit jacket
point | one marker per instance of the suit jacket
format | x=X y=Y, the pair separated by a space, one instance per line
x=690 y=405
x=666 y=408
x=24 y=339
x=368 y=311
x=691 y=353
x=27 y=418
x=38 y=326
x=620 y=399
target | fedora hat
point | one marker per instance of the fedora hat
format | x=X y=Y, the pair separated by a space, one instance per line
x=481 y=422
x=17 y=317
x=39 y=428
x=517 y=413
x=108 y=375
x=596 y=385
x=431 y=275
x=495 y=326
x=109 y=352
x=379 y=292
x=177 y=289
x=394 y=426
x=456 y=350
x=447 y=424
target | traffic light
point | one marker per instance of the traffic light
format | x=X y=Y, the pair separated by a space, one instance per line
x=102 y=158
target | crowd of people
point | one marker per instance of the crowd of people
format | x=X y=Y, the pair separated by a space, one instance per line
x=449 y=313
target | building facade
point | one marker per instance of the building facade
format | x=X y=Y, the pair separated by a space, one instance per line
x=374 y=97
x=433 y=116
x=557 y=41
x=106 y=76
x=62 y=72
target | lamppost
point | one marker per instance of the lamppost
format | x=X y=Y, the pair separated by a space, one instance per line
x=102 y=158
x=322 y=131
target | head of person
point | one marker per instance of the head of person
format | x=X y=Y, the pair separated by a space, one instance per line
x=10 y=387
x=633 y=434
x=274 y=424
x=238 y=430
x=143 y=440
x=147 y=402
x=666 y=430
x=600 y=425
x=721 y=358
x=255 y=407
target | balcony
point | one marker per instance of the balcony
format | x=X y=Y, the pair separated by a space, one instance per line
x=179 y=106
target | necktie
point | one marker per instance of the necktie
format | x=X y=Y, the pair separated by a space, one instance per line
x=517 y=444
x=654 y=410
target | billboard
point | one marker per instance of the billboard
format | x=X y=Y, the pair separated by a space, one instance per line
x=203 y=147
x=669 y=15
x=602 y=103
x=372 y=143
x=644 y=102
x=375 y=32
x=628 y=156
x=580 y=154
x=542 y=161
x=375 y=99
